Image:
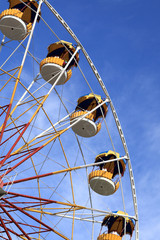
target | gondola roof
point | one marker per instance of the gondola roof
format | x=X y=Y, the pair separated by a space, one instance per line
x=65 y=46
x=117 y=223
x=108 y=155
x=89 y=101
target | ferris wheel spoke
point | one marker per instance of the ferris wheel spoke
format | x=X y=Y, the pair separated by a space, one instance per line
x=4 y=108
x=72 y=205
x=19 y=154
x=13 y=146
x=14 y=233
x=20 y=71
x=5 y=228
x=12 y=219
x=60 y=171
x=29 y=152
x=57 y=134
x=27 y=225
x=11 y=100
x=18 y=128
x=5 y=122
x=33 y=229
x=4 y=237
x=34 y=218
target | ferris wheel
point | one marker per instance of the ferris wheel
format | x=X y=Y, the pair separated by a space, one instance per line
x=65 y=170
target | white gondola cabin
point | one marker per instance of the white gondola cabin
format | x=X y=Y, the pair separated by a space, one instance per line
x=101 y=180
x=59 y=54
x=89 y=125
x=16 y=22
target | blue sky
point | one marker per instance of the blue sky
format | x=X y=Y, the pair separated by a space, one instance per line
x=123 y=40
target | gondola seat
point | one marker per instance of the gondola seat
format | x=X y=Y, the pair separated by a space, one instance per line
x=101 y=182
x=85 y=127
x=12 y=24
x=51 y=68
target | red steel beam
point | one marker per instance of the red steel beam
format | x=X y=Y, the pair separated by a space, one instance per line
x=5 y=228
x=35 y=219
x=32 y=197
x=19 y=126
x=3 y=237
x=13 y=146
x=13 y=232
x=5 y=121
x=48 y=201
x=23 y=160
x=28 y=179
x=25 y=224
x=11 y=136
x=4 y=109
x=17 y=153
x=26 y=152
x=4 y=210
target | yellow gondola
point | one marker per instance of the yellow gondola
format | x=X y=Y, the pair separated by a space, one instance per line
x=16 y=22
x=118 y=226
x=101 y=181
x=59 y=54
x=88 y=126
